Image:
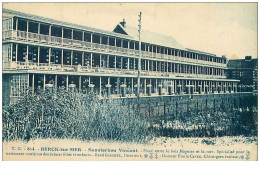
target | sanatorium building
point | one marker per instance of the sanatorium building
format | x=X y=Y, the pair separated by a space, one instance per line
x=40 y=52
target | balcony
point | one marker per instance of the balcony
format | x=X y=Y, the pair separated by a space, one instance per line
x=98 y=70
x=58 y=41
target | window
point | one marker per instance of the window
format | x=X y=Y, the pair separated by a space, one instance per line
x=19 y=84
x=7 y=52
x=7 y=24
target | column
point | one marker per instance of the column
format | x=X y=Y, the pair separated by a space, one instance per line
x=156 y=51
x=61 y=57
x=156 y=85
x=27 y=54
x=91 y=41
x=43 y=81
x=173 y=86
x=71 y=58
x=132 y=85
x=204 y=86
x=56 y=81
x=91 y=56
x=39 y=28
x=118 y=85
x=49 y=56
x=16 y=26
x=100 y=86
x=128 y=63
x=49 y=34
x=148 y=65
x=144 y=86
x=115 y=62
x=108 y=61
x=134 y=64
x=79 y=81
x=62 y=32
x=38 y=59
x=67 y=83
x=100 y=60
x=108 y=86
x=32 y=83
x=27 y=29
x=82 y=59
x=16 y=52
x=121 y=62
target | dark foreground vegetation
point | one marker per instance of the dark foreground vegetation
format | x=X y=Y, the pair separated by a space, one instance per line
x=74 y=115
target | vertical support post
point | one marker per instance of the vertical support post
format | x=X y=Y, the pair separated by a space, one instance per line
x=156 y=85
x=28 y=84
x=49 y=34
x=16 y=25
x=134 y=65
x=38 y=59
x=82 y=58
x=139 y=59
x=91 y=40
x=49 y=56
x=148 y=61
x=132 y=86
x=32 y=83
x=27 y=29
x=100 y=87
x=145 y=86
x=91 y=58
x=16 y=51
x=115 y=62
x=108 y=61
x=44 y=78
x=100 y=60
x=11 y=54
x=56 y=81
x=71 y=58
x=128 y=63
x=27 y=54
x=67 y=83
x=61 y=57
x=39 y=28
x=80 y=83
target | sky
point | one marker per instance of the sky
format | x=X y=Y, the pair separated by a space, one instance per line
x=228 y=29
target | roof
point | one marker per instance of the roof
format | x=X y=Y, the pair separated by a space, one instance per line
x=201 y=52
x=149 y=37
x=9 y=13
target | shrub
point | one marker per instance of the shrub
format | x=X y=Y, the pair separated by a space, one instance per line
x=71 y=114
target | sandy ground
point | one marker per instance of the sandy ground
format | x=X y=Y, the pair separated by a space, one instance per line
x=169 y=149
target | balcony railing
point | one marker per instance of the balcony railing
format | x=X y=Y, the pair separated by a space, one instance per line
x=74 y=68
x=22 y=35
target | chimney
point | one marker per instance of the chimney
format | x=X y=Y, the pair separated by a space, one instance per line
x=248 y=58
x=123 y=23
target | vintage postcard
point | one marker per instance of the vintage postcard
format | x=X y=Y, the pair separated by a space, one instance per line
x=129 y=81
